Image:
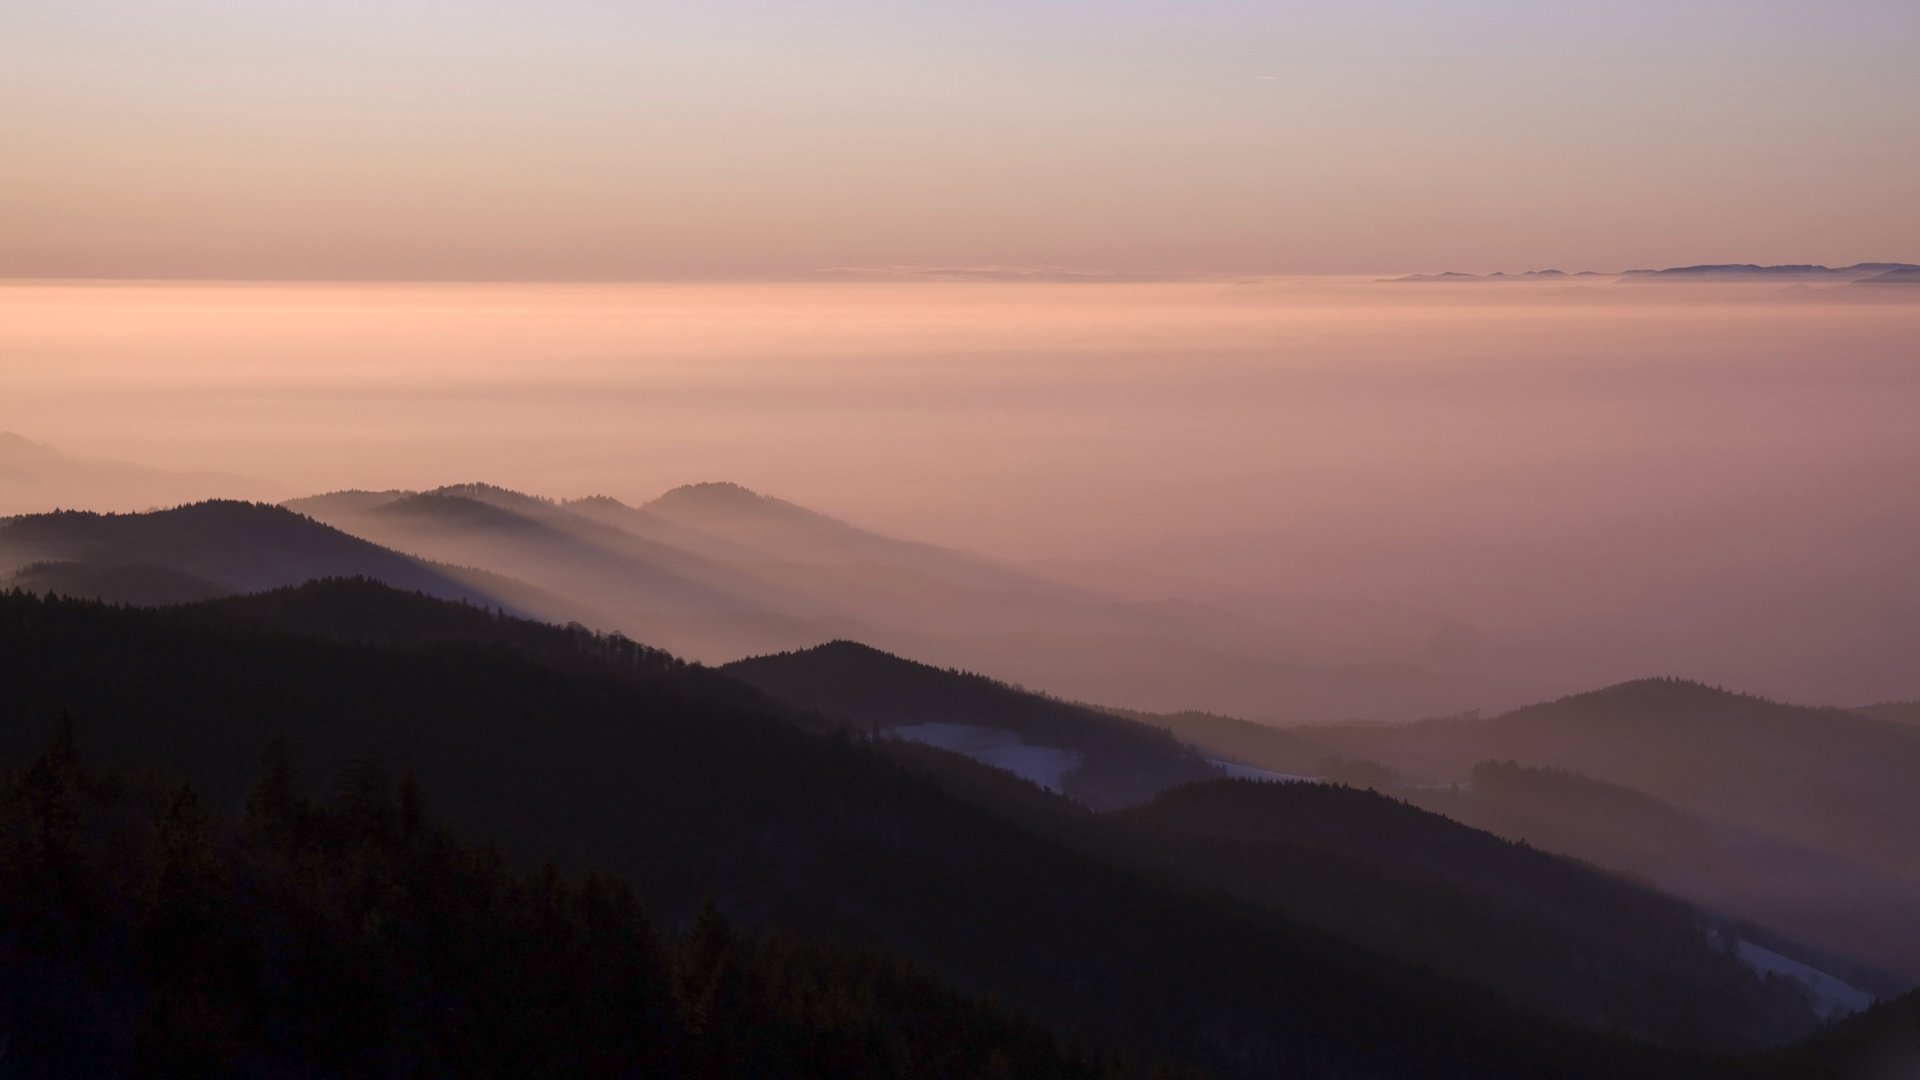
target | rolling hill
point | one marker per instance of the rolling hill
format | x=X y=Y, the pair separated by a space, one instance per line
x=1813 y=780
x=202 y=549
x=623 y=759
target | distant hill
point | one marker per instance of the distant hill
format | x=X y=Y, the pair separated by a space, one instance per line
x=127 y=583
x=1530 y=275
x=1831 y=781
x=1286 y=750
x=1899 y=275
x=716 y=571
x=1850 y=910
x=1899 y=712
x=1455 y=898
x=213 y=548
x=1704 y=272
x=1099 y=760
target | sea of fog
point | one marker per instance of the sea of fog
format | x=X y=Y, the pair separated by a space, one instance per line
x=1567 y=483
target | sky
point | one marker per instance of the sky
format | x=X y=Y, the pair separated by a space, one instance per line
x=592 y=139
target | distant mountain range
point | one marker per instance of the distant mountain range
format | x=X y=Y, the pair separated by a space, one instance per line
x=1874 y=272
x=1791 y=815
x=716 y=572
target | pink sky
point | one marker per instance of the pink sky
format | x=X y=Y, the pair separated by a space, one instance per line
x=578 y=139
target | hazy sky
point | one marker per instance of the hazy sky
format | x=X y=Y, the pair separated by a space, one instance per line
x=593 y=138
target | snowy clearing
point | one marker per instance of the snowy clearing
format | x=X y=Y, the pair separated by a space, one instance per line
x=1043 y=765
x=1832 y=998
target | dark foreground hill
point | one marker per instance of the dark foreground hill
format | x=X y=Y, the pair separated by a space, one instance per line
x=636 y=770
x=351 y=937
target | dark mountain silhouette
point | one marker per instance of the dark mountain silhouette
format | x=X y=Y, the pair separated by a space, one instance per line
x=1899 y=275
x=1827 y=780
x=236 y=546
x=1702 y=272
x=1848 y=910
x=1530 y=275
x=1328 y=870
x=357 y=936
x=1455 y=899
x=210 y=548
x=1880 y=1044
x=1109 y=761
x=1242 y=742
x=1900 y=712
x=636 y=771
x=127 y=583
x=1465 y=903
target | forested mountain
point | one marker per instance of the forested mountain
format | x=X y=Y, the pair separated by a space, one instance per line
x=1567 y=937
x=628 y=765
x=1849 y=908
x=1099 y=760
x=217 y=547
x=1573 y=941
x=1289 y=751
x=353 y=937
x=1834 y=782
x=1900 y=712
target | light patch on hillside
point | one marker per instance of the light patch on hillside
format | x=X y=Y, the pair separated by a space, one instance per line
x=1042 y=765
x=1832 y=997
x=1237 y=771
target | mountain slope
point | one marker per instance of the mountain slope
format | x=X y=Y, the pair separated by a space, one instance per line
x=1569 y=938
x=1826 y=777
x=716 y=572
x=1841 y=905
x=1107 y=761
x=1831 y=781
x=190 y=551
x=686 y=797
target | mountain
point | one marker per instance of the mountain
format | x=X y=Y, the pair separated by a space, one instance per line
x=1753 y=272
x=640 y=772
x=1880 y=1044
x=1836 y=907
x=1896 y=275
x=356 y=936
x=1457 y=276
x=1703 y=272
x=1100 y=760
x=1899 y=712
x=144 y=584
x=1354 y=863
x=1231 y=741
x=35 y=478
x=1431 y=891
x=1824 y=780
x=215 y=547
x=716 y=571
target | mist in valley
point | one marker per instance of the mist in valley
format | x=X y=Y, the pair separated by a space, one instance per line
x=1314 y=499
